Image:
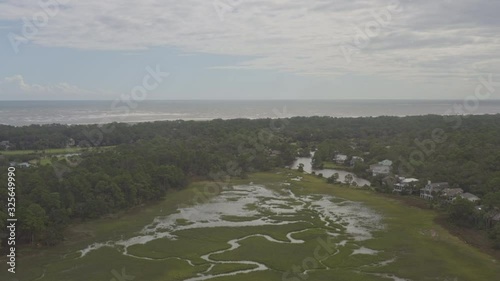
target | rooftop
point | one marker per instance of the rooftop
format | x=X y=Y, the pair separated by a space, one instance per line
x=452 y=192
x=409 y=180
x=470 y=197
x=438 y=185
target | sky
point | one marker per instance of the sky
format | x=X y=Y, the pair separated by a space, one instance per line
x=247 y=49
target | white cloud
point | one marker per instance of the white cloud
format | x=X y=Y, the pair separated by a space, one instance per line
x=424 y=40
x=16 y=88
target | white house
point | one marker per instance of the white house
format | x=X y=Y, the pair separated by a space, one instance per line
x=403 y=184
x=378 y=169
x=355 y=159
x=340 y=158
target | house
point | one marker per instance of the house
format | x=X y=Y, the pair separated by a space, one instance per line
x=494 y=218
x=398 y=187
x=378 y=169
x=432 y=189
x=408 y=181
x=356 y=159
x=382 y=168
x=471 y=197
x=4 y=145
x=404 y=184
x=386 y=162
x=449 y=194
x=340 y=158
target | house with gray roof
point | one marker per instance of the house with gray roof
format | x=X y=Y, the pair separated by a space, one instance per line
x=471 y=197
x=449 y=194
x=432 y=189
x=4 y=145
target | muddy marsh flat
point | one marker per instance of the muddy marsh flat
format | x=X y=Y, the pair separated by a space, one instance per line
x=266 y=227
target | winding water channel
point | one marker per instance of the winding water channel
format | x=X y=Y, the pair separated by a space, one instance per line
x=257 y=205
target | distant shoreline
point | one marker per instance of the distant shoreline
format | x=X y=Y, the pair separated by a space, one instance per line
x=22 y=113
x=227 y=119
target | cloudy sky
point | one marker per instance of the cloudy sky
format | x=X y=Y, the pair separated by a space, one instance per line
x=247 y=49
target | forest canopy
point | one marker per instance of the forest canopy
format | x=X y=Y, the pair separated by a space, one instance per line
x=148 y=159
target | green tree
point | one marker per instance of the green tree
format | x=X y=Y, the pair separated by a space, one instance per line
x=492 y=200
x=301 y=168
x=461 y=212
x=333 y=178
x=494 y=235
x=34 y=220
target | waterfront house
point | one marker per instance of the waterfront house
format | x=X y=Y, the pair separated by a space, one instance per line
x=340 y=158
x=405 y=185
x=378 y=169
x=449 y=194
x=432 y=189
x=356 y=159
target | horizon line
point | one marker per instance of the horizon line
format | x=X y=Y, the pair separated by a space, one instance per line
x=206 y=100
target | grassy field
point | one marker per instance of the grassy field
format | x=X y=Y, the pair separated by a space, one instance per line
x=52 y=151
x=44 y=157
x=410 y=246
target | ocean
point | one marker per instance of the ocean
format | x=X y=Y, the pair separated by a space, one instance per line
x=21 y=113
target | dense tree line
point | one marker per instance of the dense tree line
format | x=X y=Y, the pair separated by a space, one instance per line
x=135 y=172
x=150 y=158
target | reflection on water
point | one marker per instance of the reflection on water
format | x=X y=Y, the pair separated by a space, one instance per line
x=307 y=162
